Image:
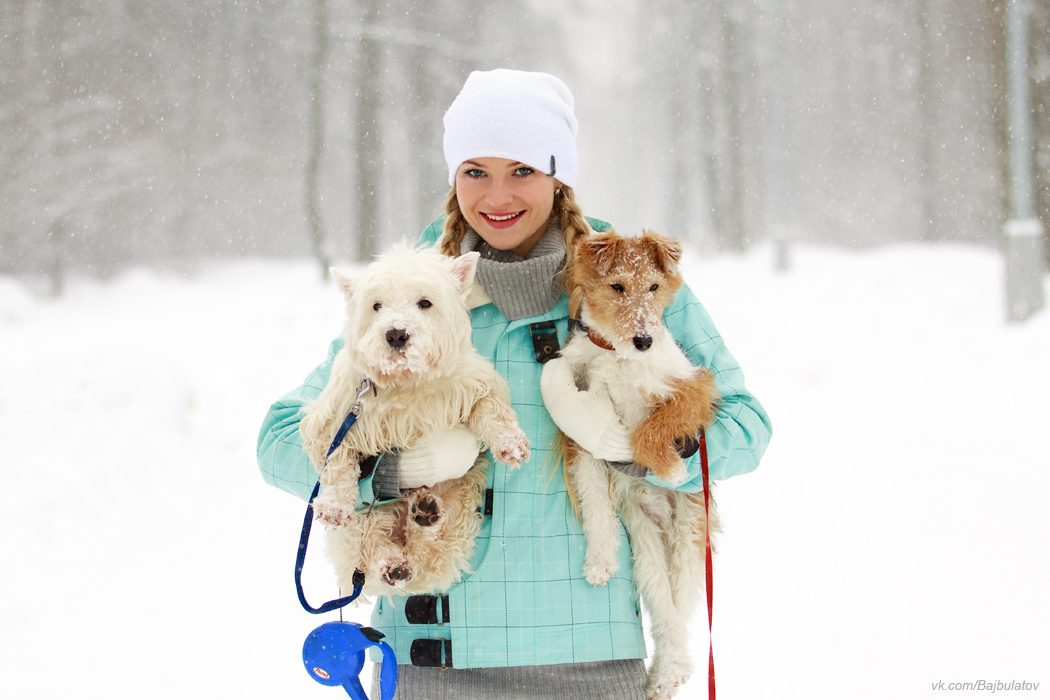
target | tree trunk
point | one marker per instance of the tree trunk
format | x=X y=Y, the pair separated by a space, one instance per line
x=927 y=225
x=367 y=150
x=318 y=62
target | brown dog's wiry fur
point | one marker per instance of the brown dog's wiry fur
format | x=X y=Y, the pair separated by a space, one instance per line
x=408 y=335
x=621 y=286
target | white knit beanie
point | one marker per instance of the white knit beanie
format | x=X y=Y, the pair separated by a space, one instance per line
x=525 y=117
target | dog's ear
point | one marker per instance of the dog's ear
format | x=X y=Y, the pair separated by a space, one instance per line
x=463 y=268
x=599 y=249
x=666 y=251
x=345 y=281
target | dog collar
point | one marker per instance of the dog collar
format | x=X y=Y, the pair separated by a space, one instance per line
x=576 y=324
x=598 y=340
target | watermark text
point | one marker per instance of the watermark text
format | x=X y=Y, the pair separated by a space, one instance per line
x=986 y=686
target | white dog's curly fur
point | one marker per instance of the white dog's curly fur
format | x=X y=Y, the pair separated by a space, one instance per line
x=623 y=285
x=408 y=333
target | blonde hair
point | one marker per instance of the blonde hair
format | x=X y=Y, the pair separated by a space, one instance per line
x=565 y=211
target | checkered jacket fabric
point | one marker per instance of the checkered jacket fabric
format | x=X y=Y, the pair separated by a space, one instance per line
x=526 y=601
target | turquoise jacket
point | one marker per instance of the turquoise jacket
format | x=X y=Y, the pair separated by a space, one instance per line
x=526 y=601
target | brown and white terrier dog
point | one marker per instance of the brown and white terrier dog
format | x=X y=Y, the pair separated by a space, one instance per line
x=621 y=286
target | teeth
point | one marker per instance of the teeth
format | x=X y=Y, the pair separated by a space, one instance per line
x=501 y=218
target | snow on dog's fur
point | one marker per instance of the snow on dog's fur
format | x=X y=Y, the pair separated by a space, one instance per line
x=621 y=286
x=407 y=333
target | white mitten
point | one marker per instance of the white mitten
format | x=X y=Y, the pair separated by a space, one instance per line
x=446 y=455
x=587 y=418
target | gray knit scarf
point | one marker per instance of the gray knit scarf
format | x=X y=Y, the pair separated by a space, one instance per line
x=520 y=287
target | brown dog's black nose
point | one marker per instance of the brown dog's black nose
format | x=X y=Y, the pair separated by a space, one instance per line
x=396 y=338
x=643 y=342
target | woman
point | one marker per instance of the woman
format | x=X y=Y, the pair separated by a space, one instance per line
x=524 y=623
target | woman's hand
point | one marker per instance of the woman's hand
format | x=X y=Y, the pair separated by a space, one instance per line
x=590 y=420
x=448 y=454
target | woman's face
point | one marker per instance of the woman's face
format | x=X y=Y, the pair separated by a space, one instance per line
x=506 y=202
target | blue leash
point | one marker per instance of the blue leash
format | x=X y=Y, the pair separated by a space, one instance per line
x=304 y=536
x=334 y=653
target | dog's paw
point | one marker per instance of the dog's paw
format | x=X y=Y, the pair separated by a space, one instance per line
x=678 y=474
x=673 y=471
x=666 y=678
x=599 y=569
x=512 y=448
x=396 y=573
x=333 y=513
x=425 y=507
x=598 y=576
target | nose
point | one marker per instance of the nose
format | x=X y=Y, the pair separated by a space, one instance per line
x=643 y=342
x=499 y=193
x=396 y=338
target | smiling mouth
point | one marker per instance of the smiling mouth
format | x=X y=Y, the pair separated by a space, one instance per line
x=502 y=217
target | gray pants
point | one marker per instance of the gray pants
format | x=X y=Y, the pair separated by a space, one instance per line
x=598 y=680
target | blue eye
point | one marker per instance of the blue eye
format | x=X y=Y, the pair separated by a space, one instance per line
x=524 y=171
x=474 y=173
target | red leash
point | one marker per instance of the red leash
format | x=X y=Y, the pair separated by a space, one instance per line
x=707 y=571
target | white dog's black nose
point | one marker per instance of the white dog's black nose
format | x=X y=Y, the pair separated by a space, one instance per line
x=396 y=338
x=643 y=342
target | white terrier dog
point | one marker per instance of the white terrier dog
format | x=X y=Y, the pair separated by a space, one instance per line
x=622 y=286
x=408 y=341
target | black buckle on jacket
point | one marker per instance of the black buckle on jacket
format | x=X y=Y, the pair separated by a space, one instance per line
x=486 y=508
x=544 y=340
x=423 y=610
x=433 y=653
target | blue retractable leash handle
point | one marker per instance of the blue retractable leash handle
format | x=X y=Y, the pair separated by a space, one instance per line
x=334 y=653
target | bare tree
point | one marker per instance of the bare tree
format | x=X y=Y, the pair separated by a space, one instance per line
x=1040 y=77
x=928 y=224
x=367 y=143
x=317 y=136
x=726 y=159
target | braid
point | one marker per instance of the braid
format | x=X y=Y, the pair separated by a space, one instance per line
x=455 y=226
x=574 y=227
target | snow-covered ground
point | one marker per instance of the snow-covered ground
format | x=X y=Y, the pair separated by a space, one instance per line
x=894 y=536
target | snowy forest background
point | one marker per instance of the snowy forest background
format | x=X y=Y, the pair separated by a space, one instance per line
x=172 y=172
x=163 y=133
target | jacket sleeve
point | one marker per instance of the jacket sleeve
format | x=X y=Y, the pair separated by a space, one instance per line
x=741 y=431
x=279 y=450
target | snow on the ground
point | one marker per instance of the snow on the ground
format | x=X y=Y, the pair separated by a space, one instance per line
x=893 y=537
